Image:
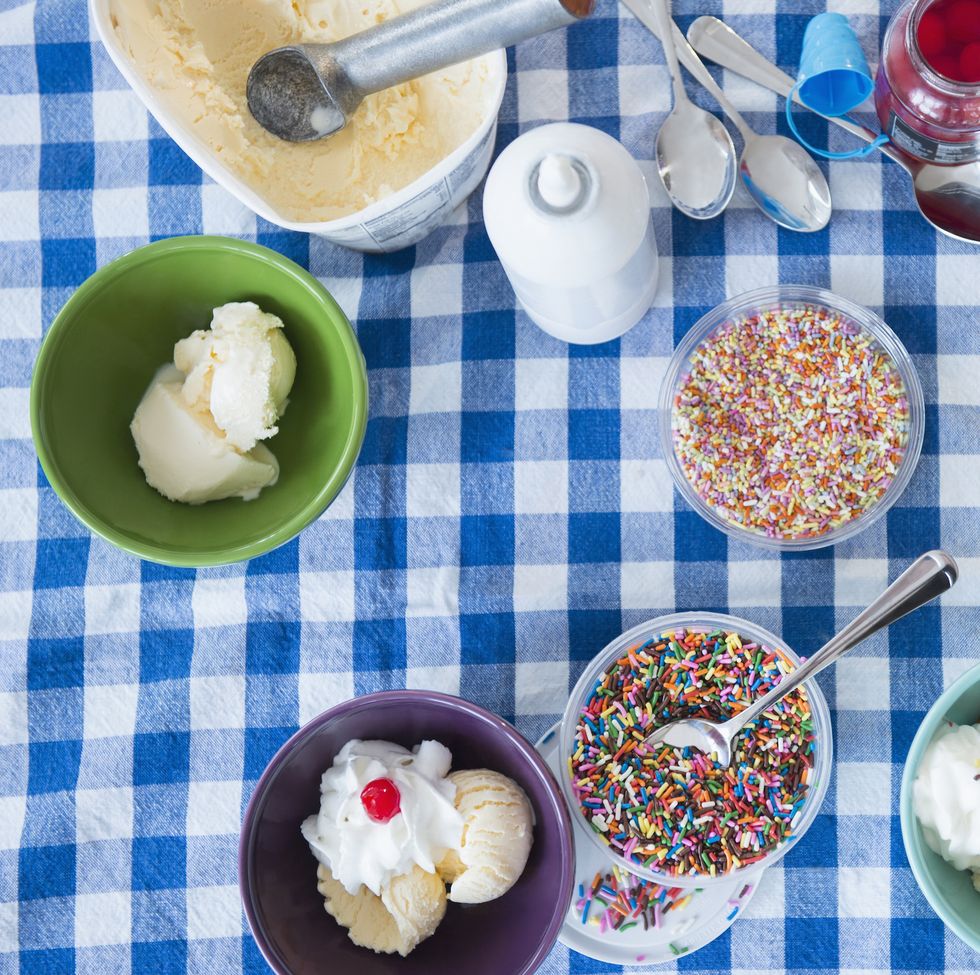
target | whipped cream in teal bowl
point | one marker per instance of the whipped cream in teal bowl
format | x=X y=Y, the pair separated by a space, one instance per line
x=936 y=807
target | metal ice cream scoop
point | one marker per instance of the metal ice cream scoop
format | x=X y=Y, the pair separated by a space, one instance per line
x=927 y=577
x=308 y=91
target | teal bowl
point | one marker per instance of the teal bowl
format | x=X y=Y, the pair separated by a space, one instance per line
x=949 y=891
x=103 y=349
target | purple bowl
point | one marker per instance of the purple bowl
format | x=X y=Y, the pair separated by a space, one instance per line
x=277 y=872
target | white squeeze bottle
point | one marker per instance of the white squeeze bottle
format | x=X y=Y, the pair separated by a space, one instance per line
x=567 y=209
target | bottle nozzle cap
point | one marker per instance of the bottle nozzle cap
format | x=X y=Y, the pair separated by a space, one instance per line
x=559 y=181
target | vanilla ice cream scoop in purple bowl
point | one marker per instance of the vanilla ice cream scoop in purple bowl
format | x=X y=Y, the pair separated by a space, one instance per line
x=512 y=933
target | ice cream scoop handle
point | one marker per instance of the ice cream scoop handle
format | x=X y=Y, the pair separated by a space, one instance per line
x=927 y=577
x=443 y=33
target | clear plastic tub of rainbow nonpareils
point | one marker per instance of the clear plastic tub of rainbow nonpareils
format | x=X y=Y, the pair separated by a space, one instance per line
x=677 y=817
x=791 y=418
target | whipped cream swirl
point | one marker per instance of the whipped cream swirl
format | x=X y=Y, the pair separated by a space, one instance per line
x=359 y=851
x=946 y=796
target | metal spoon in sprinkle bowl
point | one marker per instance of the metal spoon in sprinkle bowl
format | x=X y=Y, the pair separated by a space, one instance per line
x=927 y=577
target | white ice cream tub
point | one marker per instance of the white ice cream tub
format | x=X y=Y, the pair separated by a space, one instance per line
x=397 y=221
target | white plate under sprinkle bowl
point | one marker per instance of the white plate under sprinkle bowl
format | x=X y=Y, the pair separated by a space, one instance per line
x=709 y=914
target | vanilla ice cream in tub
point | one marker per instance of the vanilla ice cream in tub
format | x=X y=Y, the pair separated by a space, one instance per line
x=407 y=159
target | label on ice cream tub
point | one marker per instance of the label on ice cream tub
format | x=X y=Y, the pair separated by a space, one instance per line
x=418 y=216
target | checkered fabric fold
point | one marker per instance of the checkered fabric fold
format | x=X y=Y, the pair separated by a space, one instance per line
x=510 y=513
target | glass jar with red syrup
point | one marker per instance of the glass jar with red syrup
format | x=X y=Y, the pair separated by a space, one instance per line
x=928 y=87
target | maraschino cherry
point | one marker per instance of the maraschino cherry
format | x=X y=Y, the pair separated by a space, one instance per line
x=381 y=800
x=932 y=34
x=949 y=39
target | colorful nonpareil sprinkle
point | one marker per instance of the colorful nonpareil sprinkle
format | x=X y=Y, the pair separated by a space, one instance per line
x=790 y=423
x=620 y=901
x=680 y=812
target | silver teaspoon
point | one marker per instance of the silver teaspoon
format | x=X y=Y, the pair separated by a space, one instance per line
x=781 y=177
x=927 y=577
x=947 y=196
x=695 y=154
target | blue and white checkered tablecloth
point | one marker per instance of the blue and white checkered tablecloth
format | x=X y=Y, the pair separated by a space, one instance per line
x=510 y=513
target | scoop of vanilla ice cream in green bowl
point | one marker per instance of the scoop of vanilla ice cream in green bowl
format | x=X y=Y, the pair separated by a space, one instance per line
x=241 y=370
x=288 y=412
x=938 y=786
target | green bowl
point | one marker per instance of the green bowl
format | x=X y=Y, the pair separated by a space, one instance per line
x=115 y=332
x=949 y=891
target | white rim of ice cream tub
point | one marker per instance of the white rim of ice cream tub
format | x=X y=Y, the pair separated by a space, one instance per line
x=206 y=160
